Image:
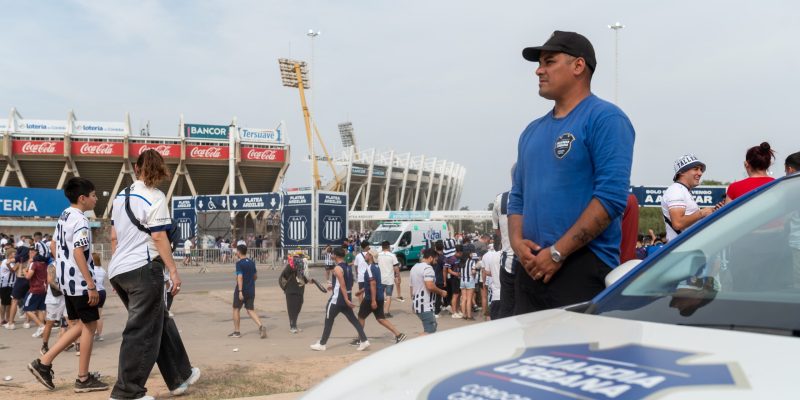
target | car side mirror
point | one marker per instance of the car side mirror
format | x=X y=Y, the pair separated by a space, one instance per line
x=622 y=270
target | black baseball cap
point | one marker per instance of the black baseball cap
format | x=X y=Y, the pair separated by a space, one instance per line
x=570 y=43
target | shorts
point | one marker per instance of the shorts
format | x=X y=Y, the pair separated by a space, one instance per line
x=365 y=309
x=467 y=285
x=56 y=311
x=34 y=302
x=360 y=285
x=20 y=289
x=428 y=321
x=455 y=285
x=248 y=303
x=78 y=308
x=388 y=290
x=329 y=267
x=102 y=301
x=5 y=296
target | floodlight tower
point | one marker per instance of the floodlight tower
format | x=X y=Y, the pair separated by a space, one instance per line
x=312 y=35
x=616 y=27
x=295 y=74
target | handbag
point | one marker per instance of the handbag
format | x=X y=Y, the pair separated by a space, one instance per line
x=173 y=233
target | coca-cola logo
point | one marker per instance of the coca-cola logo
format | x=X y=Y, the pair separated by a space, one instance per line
x=262 y=154
x=207 y=152
x=39 y=148
x=163 y=149
x=97 y=149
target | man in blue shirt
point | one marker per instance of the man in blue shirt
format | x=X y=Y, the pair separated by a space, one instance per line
x=244 y=294
x=571 y=182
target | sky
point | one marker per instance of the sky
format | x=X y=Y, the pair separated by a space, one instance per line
x=440 y=78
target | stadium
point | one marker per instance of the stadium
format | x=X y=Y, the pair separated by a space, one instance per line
x=46 y=153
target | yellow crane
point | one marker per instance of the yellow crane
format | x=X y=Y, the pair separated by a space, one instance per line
x=295 y=74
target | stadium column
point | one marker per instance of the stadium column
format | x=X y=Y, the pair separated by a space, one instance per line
x=431 y=179
x=407 y=164
x=420 y=173
x=388 y=185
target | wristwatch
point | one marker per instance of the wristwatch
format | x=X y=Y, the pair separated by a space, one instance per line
x=555 y=255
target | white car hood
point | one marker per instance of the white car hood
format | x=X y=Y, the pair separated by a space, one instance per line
x=559 y=354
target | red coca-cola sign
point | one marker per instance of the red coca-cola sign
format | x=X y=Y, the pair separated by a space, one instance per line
x=97 y=149
x=263 y=155
x=207 y=152
x=37 y=147
x=166 y=150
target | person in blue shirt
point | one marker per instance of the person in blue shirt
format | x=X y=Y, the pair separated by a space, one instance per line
x=244 y=294
x=374 y=297
x=571 y=182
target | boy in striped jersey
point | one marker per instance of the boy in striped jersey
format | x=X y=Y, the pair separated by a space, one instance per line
x=423 y=289
x=341 y=285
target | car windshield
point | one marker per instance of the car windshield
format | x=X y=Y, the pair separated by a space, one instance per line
x=379 y=236
x=741 y=271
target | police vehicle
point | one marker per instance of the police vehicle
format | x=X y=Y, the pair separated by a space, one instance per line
x=715 y=314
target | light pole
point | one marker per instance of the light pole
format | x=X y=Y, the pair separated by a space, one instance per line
x=311 y=34
x=616 y=27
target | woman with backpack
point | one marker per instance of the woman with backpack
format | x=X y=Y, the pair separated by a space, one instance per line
x=140 y=242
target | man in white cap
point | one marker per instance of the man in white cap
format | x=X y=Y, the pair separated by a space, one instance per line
x=677 y=204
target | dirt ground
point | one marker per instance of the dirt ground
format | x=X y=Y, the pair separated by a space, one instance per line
x=247 y=366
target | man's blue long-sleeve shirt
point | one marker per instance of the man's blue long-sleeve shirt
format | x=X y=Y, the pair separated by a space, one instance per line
x=562 y=163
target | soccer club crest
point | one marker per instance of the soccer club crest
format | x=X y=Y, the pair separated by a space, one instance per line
x=297 y=225
x=332 y=227
x=563 y=145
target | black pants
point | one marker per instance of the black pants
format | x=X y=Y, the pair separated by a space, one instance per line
x=150 y=336
x=440 y=301
x=331 y=311
x=294 y=303
x=494 y=310
x=579 y=279
x=507 y=296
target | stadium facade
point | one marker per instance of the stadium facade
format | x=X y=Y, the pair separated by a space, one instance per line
x=388 y=181
x=45 y=153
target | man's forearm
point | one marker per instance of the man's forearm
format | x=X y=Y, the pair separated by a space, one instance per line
x=592 y=222
x=514 y=230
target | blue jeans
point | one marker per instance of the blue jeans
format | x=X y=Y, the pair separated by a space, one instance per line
x=150 y=335
x=429 y=323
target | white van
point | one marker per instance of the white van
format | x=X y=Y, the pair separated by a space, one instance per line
x=408 y=238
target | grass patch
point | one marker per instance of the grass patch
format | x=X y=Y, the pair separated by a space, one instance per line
x=240 y=381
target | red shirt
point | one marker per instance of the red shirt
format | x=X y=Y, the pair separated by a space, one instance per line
x=630 y=230
x=39 y=279
x=739 y=188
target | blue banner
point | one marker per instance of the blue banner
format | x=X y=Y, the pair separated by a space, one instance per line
x=27 y=202
x=254 y=202
x=296 y=224
x=704 y=196
x=217 y=202
x=332 y=212
x=184 y=216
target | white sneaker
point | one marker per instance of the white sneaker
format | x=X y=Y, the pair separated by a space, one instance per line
x=10 y=327
x=185 y=385
x=437 y=316
x=26 y=325
x=456 y=315
x=140 y=398
x=318 y=347
x=363 y=346
x=38 y=332
x=171 y=314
